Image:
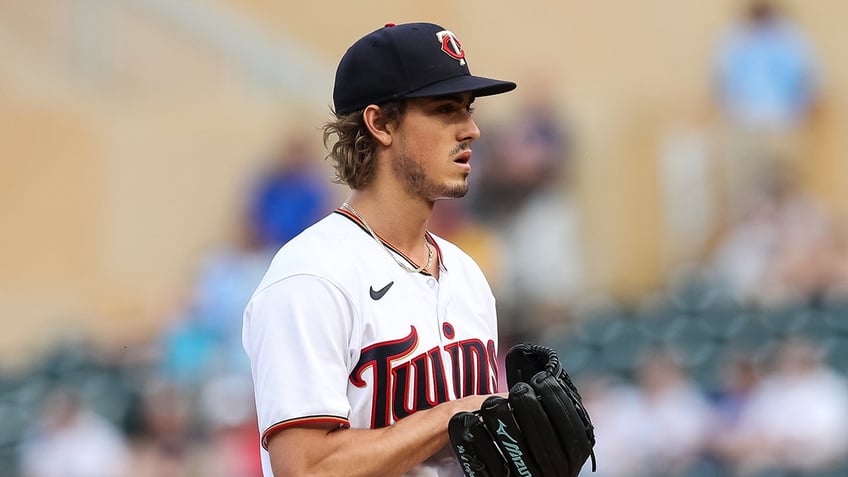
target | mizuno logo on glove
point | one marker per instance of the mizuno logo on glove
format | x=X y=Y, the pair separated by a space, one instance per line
x=513 y=449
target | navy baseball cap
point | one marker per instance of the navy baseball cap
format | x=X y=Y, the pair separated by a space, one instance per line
x=411 y=60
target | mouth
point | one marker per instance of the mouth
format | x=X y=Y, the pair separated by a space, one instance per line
x=463 y=158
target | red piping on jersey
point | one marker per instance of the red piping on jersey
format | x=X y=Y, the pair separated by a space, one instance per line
x=300 y=421
x=427 y=237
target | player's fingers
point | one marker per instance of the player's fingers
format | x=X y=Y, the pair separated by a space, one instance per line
x=498 y=417
x=477 y=453
x=540 y=435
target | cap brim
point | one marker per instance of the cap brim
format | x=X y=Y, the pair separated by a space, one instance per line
x=477 y=85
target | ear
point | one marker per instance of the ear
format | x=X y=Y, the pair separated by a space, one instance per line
x=373 y=118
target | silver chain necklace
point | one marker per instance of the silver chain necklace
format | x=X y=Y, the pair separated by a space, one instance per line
x=402 y=264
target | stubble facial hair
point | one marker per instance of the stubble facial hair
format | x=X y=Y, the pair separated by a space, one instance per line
x=417 y=182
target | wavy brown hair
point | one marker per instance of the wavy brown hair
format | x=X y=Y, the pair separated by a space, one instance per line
x=354 y=151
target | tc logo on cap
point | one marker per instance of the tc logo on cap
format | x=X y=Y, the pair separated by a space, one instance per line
x=451 y=45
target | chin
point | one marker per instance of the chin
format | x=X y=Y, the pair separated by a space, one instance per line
x=453 y=192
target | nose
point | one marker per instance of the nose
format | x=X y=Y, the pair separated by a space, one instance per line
x=470 y=132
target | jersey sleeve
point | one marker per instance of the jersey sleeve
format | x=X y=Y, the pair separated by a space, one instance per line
x=296 y=334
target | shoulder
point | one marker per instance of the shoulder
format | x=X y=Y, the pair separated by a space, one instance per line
x=325 y=250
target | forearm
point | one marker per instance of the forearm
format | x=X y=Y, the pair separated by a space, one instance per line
x=390 y=451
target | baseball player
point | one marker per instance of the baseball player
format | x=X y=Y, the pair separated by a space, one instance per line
x=368 y=332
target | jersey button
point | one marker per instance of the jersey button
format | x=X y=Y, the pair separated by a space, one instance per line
x=431 y=282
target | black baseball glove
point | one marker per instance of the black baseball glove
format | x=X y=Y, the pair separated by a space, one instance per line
x=541 y=429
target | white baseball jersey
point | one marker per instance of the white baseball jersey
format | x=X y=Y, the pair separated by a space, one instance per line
x=338 y=332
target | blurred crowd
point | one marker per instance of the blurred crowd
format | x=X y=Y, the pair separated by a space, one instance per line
x=780 y=415
x=736 y=367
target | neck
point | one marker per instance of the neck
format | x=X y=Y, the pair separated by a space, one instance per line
x=426 y=260
x=403 y=223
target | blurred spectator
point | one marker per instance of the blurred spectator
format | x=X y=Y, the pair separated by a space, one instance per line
x=211 y=433
x=767 y=83
x=520 y=157
x=781 y=249
x=524 y=193
x=204 y=340
x=796 y=418
x=229 y=412
x=767 y=73
x=201 y=354
x=70 y=440
x=545 y=270
x=290 y=196
x=739 y=377
x=675 y=414
x=616 y=413
x=164 y=447
x=201 y=360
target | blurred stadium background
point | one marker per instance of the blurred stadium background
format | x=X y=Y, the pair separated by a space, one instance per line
x=686 y=258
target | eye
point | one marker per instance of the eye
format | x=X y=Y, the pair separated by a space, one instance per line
x=453 y=106
x=447 y=108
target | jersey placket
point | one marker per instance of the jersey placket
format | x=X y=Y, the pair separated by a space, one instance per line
x=443 y=294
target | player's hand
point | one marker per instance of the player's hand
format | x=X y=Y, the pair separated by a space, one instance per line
x=469 y=403
x=540 y=428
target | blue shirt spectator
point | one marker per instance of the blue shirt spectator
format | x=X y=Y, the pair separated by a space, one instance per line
x=290 y=197
x=766 y=70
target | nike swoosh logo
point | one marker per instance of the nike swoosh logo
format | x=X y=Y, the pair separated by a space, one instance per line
x=377 y=294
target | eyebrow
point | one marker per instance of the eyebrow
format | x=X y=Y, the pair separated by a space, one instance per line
x=458 y=98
